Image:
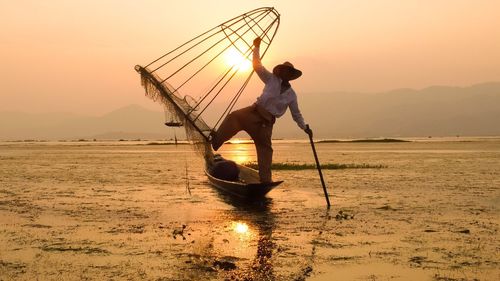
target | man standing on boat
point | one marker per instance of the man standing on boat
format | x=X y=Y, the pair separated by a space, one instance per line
x=258 y=119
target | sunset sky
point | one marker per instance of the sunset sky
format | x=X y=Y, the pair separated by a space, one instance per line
x=78 y=56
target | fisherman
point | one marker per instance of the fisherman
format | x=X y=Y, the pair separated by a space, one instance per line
x=258 y=119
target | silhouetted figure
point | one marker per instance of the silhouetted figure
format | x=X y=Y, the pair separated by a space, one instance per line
x=258 y=119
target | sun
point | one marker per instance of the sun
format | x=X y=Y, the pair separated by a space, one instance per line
x=234 y=58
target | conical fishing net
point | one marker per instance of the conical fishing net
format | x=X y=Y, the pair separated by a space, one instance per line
x=200 y=81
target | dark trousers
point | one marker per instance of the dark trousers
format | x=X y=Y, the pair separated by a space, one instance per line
x=258 y=123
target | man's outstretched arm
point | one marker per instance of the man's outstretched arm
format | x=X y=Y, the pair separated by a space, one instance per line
x=261 y=71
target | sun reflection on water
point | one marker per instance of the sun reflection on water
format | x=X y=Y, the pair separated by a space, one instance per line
x=241 y=153
x=241 y=228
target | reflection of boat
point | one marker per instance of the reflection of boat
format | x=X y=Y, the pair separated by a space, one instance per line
x=247 y=187
x=254 y=217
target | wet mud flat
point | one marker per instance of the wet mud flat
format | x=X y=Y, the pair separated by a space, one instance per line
x=115 y=211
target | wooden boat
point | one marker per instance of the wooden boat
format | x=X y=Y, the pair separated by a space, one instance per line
x=248 y=186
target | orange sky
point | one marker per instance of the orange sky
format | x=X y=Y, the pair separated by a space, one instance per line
x=78 y=56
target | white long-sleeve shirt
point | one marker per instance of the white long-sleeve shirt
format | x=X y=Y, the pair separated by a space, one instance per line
x=271 y=98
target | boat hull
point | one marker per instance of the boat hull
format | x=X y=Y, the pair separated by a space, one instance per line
x=249 y=186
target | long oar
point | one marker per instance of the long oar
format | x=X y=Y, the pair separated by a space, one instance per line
x=319 y=167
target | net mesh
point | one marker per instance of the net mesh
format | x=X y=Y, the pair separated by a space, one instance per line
x=178 y=108
x=211 y=69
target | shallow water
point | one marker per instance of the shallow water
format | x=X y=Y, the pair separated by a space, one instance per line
x=127 y=210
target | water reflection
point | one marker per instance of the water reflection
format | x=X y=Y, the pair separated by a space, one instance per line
x=240 y=152
x=254 y=220
x=241 y=228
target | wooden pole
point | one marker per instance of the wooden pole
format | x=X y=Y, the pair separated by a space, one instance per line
x=319 y=169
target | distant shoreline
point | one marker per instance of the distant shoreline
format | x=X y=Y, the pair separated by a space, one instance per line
x=276 y=141
x=364 y=140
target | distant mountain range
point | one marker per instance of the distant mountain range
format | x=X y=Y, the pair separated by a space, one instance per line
x=433 y=111
x=131 y=122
